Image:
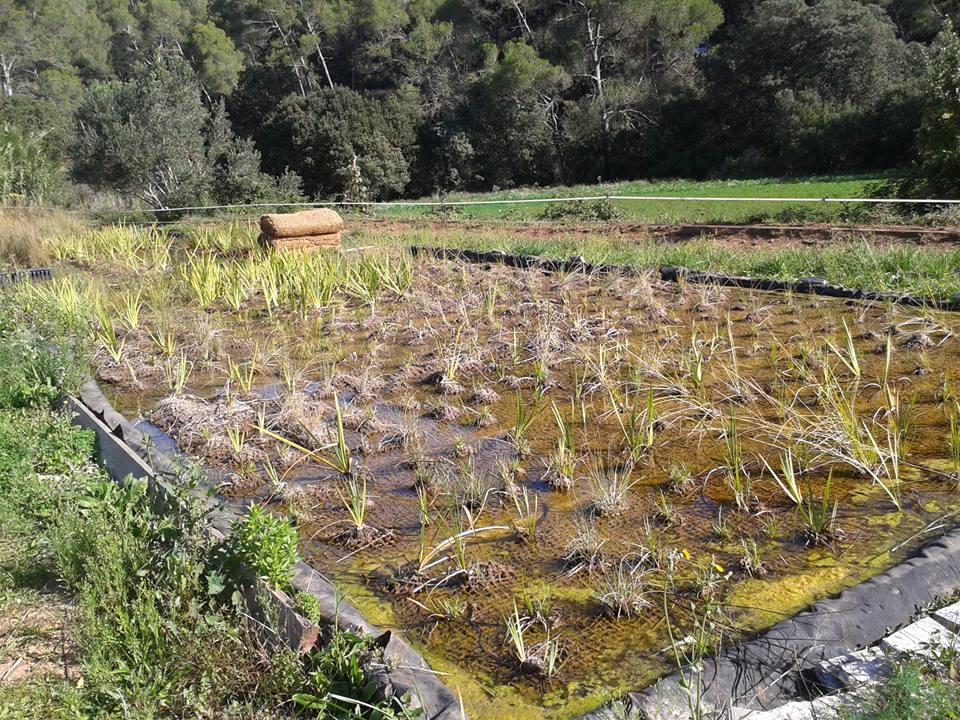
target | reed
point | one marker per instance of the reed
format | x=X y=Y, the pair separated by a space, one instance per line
x=609 y=487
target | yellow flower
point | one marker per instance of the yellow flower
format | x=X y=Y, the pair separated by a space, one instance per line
x=686 y=554
x=718 y=567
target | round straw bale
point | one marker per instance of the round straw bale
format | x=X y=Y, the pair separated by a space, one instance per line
x=319 y=221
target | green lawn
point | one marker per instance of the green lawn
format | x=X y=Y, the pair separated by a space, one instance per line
x=672 y=211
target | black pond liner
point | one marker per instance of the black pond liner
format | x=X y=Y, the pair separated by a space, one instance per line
x=671 y=273
x=124 y=450
x=31 y=275
x=768 y=671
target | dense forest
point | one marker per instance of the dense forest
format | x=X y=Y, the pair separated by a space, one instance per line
x=180 y=101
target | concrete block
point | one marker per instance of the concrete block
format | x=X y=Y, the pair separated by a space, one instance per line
x=925 y=637
x=949 y=617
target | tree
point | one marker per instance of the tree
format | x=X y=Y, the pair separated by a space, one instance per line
x=514 y=115
x=939 y=138
x=319 y=135
x=792 y=72
x=151 y=138
x=218 y=61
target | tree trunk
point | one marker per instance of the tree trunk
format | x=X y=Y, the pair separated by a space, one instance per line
x=6 y=75
x=323 y=62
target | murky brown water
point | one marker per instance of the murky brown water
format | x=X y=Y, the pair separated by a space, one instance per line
x=584 y=344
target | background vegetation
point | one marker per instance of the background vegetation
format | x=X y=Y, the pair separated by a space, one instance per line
x=216 y=101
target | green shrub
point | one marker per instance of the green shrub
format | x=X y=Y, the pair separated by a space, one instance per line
x=43 y=351
x=266 y=545
x=912 y=693
x=583 y=211
x=28 y=171
x=308 y=606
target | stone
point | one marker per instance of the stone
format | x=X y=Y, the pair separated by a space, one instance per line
x=851 y=670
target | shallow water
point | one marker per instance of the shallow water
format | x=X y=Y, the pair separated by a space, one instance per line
x=764 y=359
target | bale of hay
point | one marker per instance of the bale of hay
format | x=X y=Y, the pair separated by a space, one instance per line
x=319 y=221
x=304 y=243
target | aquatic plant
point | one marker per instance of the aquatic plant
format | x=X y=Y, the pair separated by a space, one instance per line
x=353 y=495
x=129 y=309
x=537 y=659
x=751 y=562
x=106 y=334
x=609 y=486
x=847 y=354
x=623 y=589
x=237 y=437
x=721 y=528
x=524 y=417
x=177 y=373
x=955 y=442
x=525 y=523
x=637 y=422
x=584 y=550
x=736 y=475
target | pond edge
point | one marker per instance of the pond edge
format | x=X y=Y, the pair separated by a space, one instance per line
x=124 y=452
x=672 y=273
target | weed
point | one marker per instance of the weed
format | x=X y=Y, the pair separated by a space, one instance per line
x=265 y=544
x=609 y=486
x=623 y=589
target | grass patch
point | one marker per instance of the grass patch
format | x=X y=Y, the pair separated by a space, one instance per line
x=23 y=232
x=923 y=271
x=912 y=693
x=672 y=211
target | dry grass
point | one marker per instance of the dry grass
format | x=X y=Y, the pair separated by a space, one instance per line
x=23 y=231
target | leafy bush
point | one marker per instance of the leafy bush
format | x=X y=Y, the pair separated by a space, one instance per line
x=28 y=171
x=46 y=442
x=43 y=351
x=308 y=606
x=912 y=693
x=152 y=138
x=939 y=137
x=265 y=544
x=341 y=686
x=582 y=210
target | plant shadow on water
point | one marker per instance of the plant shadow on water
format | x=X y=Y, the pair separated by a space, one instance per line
x=529 y=460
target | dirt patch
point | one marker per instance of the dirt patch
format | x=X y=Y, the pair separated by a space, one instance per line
x=35 y=640
x=732 y=236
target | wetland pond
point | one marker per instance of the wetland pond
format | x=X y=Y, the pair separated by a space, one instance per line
x=540 y=478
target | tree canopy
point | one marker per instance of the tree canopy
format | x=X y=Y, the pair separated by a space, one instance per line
x=424 y=96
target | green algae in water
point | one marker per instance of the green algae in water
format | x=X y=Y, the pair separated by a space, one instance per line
x=576 y=342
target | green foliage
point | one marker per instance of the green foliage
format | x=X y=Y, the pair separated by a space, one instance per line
x=43 y=350
x=28 y=172
x=808 y=88
x=341 y=687
x=308 y=606
x=584 y=211
x=912 y=693
x=939 y=138
x=219 y=63
x=323 y=132
x=47 y=443
x=433 y=96
x=265 y=544
x=152 y=138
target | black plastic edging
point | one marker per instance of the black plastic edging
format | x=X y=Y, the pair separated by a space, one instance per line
x=124 y=452
x=670 y=273
x=10 y=278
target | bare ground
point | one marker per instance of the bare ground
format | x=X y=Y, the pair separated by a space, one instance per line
x=733 y=236
x=35 y=638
